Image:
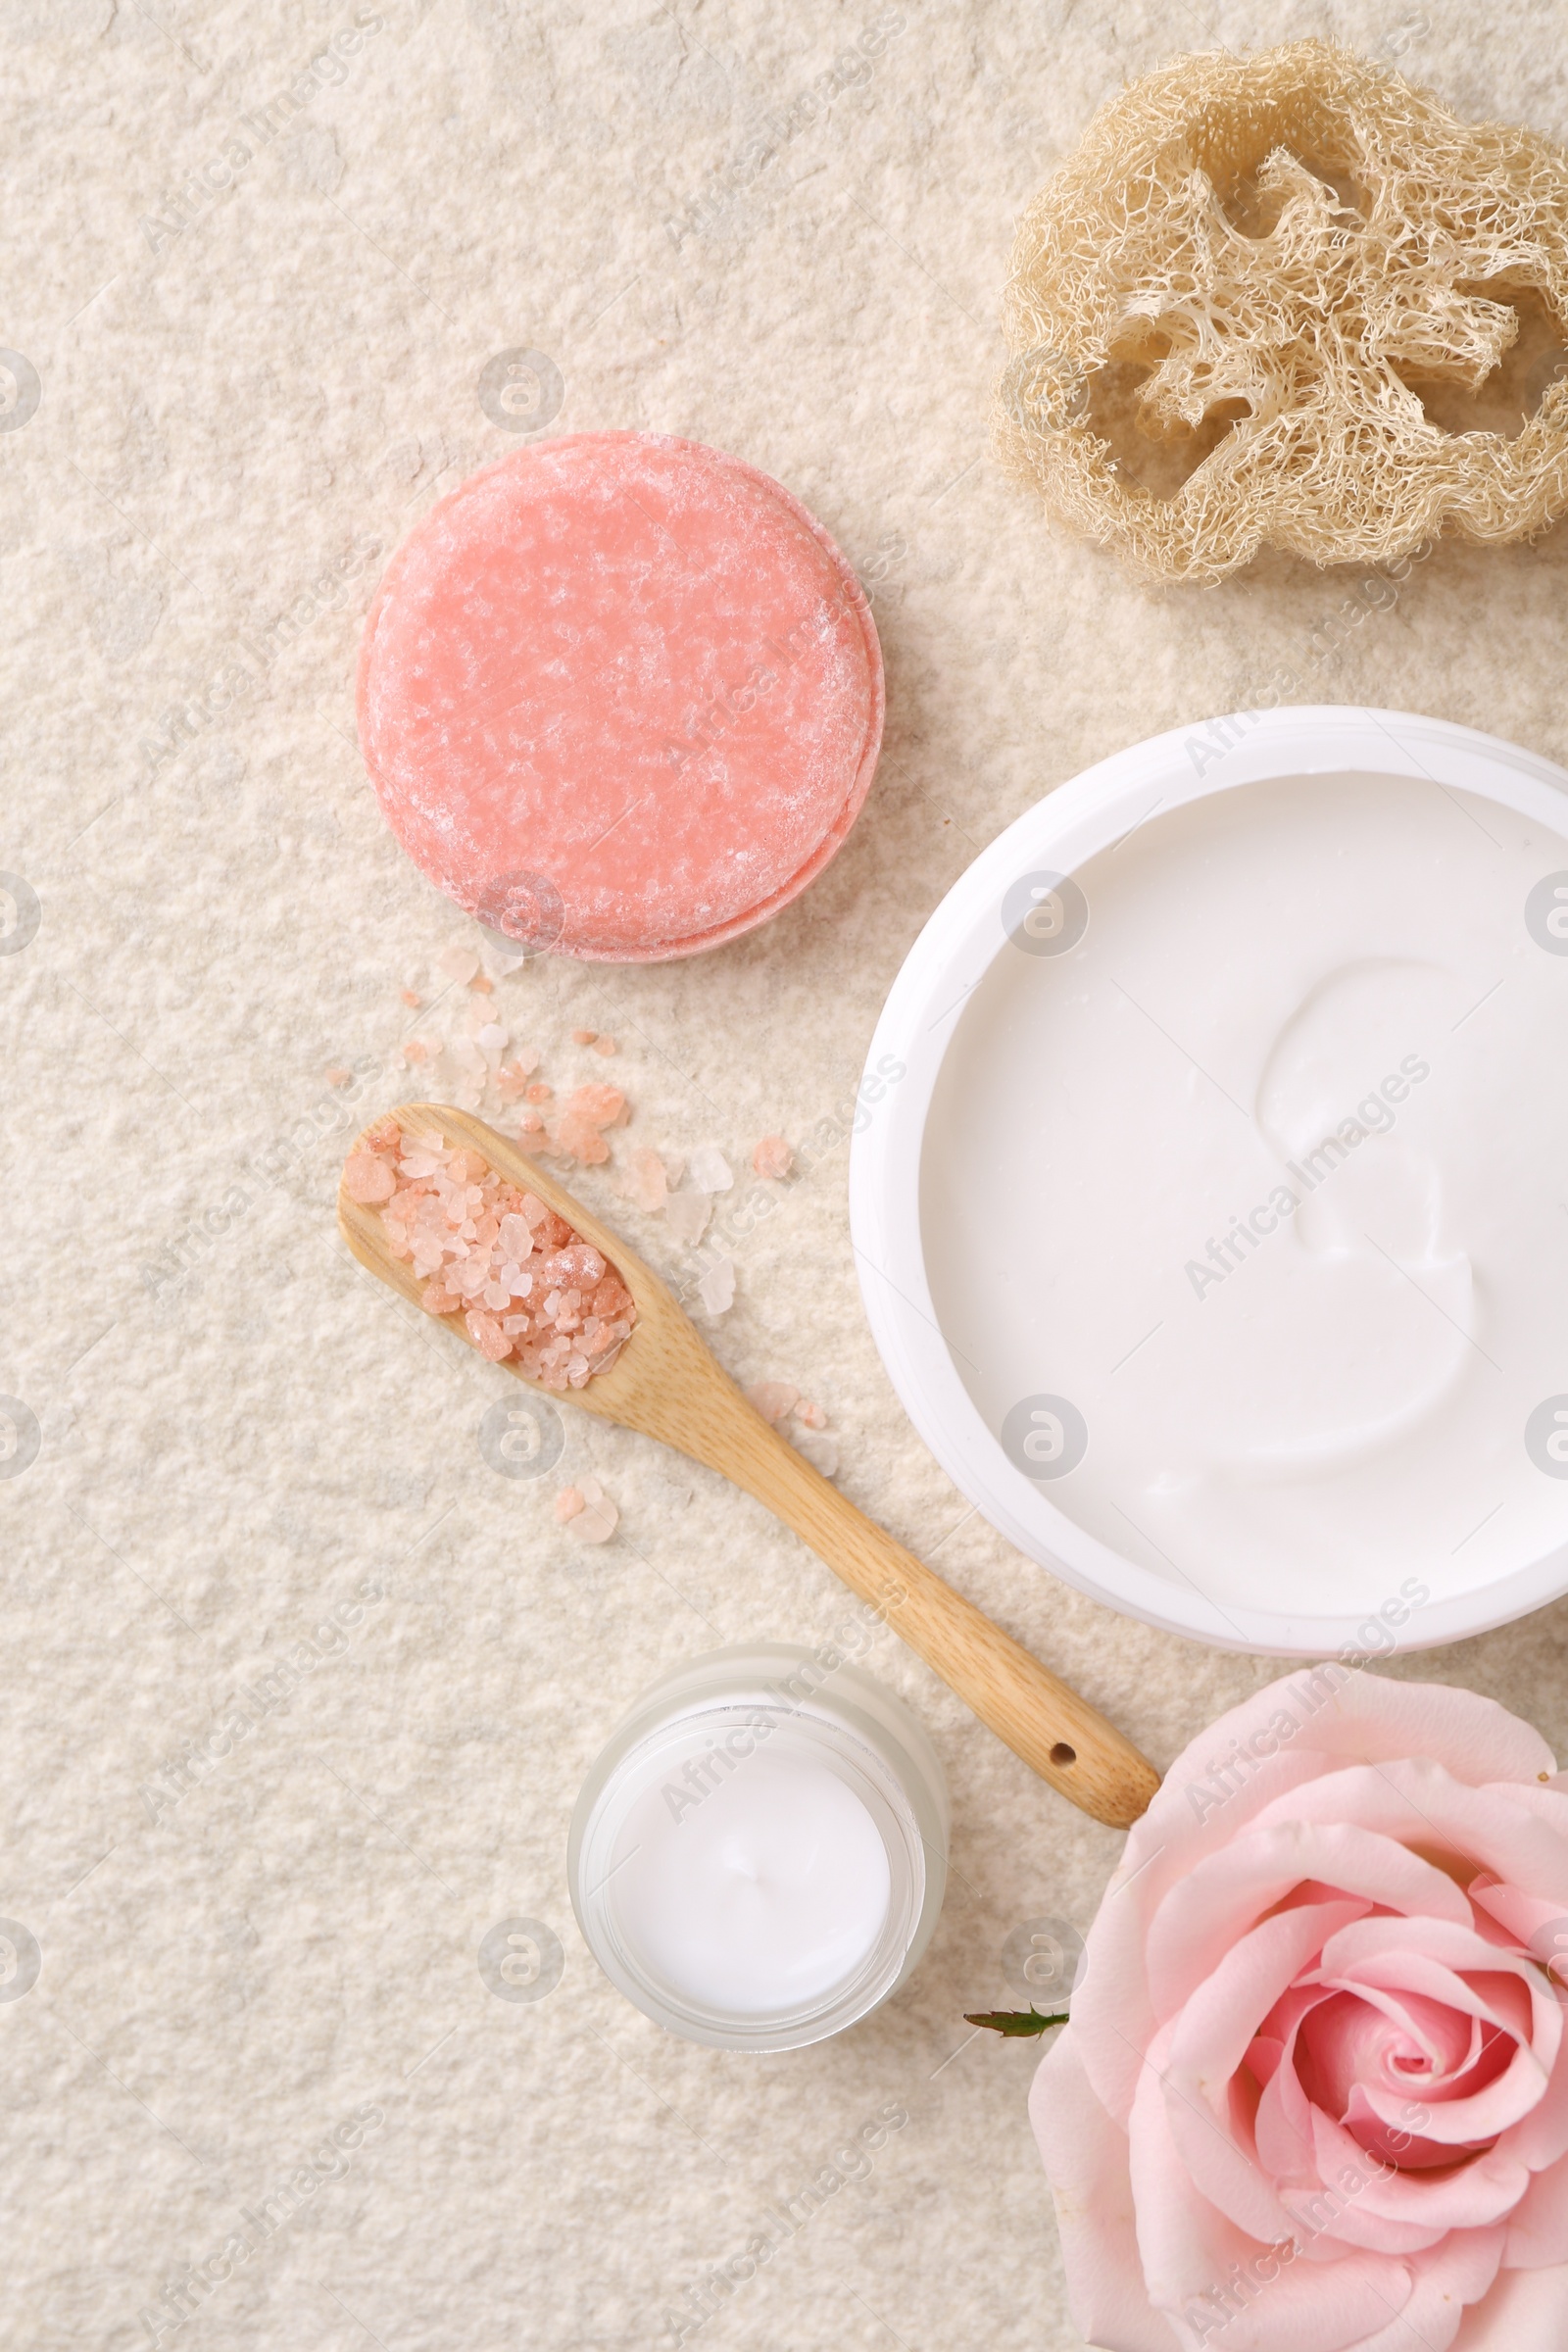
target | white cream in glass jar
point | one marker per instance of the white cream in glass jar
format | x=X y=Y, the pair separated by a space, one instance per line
x=758 y=1857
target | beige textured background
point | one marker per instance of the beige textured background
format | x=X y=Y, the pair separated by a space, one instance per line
x=238 y=1430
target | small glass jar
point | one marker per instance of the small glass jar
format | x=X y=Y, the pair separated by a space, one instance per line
x=758 y=1856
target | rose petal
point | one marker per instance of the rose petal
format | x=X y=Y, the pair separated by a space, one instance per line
x=1207 y=2044
x=1546 y=1798
x=1518 y=1914
x=1454 y=2274
x=1217 y=2023
x=1468 y=2197
x=1282 y=2129
x=1416 y=1799
x=1190 y=2251
x=1364 y=1719
x=1221 y=1896
x=1523 y=2310
x=1543 y=2135
x=1085 y=2155
x=1333 y=2213
x=1538 y=2227
x=1160 y=1850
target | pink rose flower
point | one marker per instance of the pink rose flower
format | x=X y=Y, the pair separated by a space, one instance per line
x=1314 y=2094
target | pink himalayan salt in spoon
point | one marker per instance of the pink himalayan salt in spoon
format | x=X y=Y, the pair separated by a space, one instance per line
x=525 y=1282
x=666 y=1383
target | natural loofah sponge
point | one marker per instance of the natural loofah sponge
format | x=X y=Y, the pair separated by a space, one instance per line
x=1269 y=299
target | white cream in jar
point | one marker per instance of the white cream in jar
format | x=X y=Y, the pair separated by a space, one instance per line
x=758 y=1857
x=1255 y=1159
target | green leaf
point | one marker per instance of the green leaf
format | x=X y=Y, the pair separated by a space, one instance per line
x=1013 y=2021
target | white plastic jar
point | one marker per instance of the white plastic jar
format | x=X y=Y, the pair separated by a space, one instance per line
x=758 y=1856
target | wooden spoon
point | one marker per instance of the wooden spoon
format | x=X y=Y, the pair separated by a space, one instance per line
x=666 y=1383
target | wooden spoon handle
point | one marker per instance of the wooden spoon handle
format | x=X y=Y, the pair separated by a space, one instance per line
x=1057 y=1734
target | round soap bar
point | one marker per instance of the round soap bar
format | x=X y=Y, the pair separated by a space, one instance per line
x=620 y=696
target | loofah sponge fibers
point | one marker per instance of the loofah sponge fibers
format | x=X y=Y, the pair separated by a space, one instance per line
x=1290 y=300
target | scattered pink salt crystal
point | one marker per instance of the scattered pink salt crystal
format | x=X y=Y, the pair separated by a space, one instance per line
x=773 y=1158
x=513 y=1077
x=605 y=1106
x=812 y=1414
x=541 y=1093
x=583 y=1037
x=687 y=1215
x=644 y=1183
x=773 y=1398
x=529 y=1123
x=417 y=1050
x=604 y=1045
x=367 y=1177
x=411 y=998
x=717 y=1290
x=823 y=1453
x=482 y=984
x=337 y=1077
x=711 y=1170
x=598 y=1519
x=573 y=1137
x=569 y=1502
x=457 y=964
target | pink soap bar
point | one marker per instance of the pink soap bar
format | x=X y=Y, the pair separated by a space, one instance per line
x=620 y=696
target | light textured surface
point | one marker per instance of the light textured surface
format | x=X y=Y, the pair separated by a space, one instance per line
x=238 y=418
